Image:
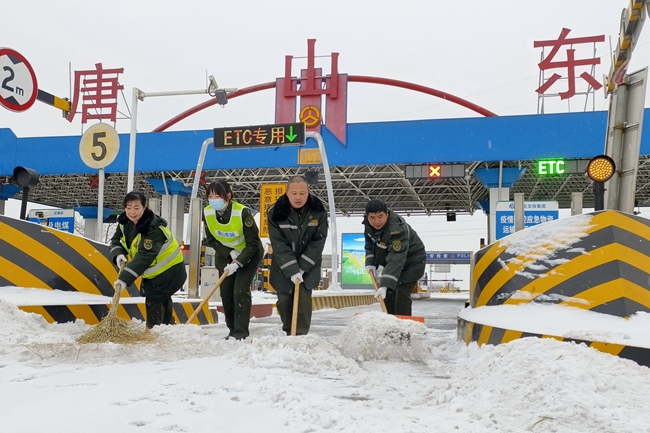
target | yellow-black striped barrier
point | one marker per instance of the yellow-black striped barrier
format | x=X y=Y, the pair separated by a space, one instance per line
x=606 y=270
x=603 y=266
x=35 y=256
x=93 y=313
x=341 y=301
x=484 y=334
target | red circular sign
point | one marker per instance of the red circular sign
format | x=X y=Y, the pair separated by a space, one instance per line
x=18 y=86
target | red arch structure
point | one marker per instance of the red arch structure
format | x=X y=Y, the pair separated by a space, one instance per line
x=352 y=79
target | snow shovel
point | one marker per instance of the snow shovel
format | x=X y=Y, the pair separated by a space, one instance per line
x=294 y=312
x=383 y=304
x=209 y=295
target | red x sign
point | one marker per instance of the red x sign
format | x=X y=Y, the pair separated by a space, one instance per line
x=434 y=170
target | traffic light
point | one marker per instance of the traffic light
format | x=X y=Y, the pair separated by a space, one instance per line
x=600 y=169
x=434 y=171
x=184 y=248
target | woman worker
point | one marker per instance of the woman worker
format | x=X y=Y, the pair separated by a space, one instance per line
x=231 y=230
x=155 y=255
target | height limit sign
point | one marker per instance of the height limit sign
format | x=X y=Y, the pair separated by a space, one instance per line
x=18 y=87
x=240 y=137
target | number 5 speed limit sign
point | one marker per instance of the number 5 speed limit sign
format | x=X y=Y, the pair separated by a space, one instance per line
x=99 y=145
x=18 y=87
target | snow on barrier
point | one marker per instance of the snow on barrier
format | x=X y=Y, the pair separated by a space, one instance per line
x=597 y=262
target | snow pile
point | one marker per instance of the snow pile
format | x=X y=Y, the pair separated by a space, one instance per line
x=380 y=336
x=16 y=326
x=27 y=337
x=308 y=354
x=545 y=385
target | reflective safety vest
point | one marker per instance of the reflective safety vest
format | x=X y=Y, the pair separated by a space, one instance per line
x=170 y=254
x=231 y=234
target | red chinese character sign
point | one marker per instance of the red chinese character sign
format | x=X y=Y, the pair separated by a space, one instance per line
x=308 y=91
x=97 y=89
x=570 y=63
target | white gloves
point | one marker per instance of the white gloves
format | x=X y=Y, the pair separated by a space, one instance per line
x=371 y=268
x=120 y=259
x=380 y=292
x=119 y=285
x=231 y=268
x=297 y=277
x=234 y=254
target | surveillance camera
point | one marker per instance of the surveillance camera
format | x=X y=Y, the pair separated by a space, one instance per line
x=222 y=97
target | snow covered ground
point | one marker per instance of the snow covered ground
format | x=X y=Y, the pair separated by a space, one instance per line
x=364 y=372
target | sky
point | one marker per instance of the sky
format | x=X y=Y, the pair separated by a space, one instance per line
x=482 y=52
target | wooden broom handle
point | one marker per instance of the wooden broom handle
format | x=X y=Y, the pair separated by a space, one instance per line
x=381 y=300
x=294 y=312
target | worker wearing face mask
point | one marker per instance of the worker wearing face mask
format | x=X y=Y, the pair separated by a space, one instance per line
x=231 y=230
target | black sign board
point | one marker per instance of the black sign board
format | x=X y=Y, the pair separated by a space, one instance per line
x=240 y=137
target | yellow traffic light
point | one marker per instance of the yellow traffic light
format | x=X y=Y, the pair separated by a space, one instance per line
x=601 y=168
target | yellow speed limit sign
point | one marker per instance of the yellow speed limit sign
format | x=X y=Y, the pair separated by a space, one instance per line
x=99 y=145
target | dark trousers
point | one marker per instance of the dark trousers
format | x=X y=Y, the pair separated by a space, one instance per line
x=160 y=313
x=236 y=299
x=285 y=309
x=398 y=301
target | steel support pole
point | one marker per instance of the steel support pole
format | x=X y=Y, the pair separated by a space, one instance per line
x=334 y=283
x=99 y=229
x=194 y=224
x=631 y=144
x=134 y=131
x=519 y=211
x=615 y=142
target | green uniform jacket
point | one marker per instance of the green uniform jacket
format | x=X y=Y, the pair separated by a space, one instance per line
x=396 y=247
x=297 y=239
x=252 y=253
x=161 y=286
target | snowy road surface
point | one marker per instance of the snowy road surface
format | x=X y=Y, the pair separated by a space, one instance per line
x=352 y=373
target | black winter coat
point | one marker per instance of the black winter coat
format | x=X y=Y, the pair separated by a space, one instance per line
x=297 y=238
x=156 y=289
x=396 y=247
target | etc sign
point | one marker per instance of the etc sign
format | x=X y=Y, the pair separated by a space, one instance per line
x=550 y=167
x=559 y=166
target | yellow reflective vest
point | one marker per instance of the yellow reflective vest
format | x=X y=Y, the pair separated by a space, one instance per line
x=231 y=234
x=170 y=253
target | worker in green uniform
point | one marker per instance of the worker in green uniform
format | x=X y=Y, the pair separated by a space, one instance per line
x=297 y=229
x=155 y=255
x=392 y=243
x=231 y=230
